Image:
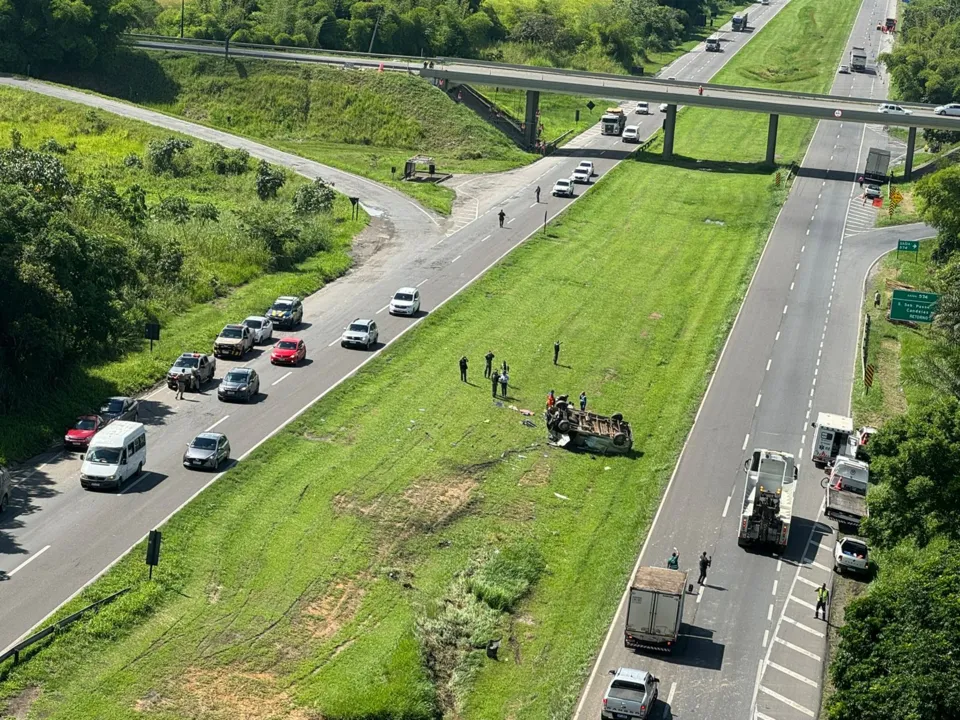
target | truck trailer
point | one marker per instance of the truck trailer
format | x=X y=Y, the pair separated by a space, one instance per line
x=858 y=59
x=612 y=122
x=739 y=22
x=767 y=499
x=655 y=609
x=846 y=491
x=877 y=169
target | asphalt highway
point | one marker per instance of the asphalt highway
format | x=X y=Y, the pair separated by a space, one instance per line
x=751 y=647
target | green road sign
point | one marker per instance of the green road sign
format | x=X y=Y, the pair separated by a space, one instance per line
x=908 y=246
x=913 y=305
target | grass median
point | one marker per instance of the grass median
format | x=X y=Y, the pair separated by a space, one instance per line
x=355 y=565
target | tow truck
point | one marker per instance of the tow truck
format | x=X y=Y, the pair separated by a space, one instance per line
x=767 y=499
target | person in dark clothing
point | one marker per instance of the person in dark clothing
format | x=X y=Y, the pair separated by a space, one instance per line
x=673 y=562
x=704 y=564
x=537 y=191
x=556 y=352
x=489 y=366
x=876 y=299
x=504 y=379
x=501 y=215
x=860 y=180
x=822 y=596
x=506 y=368
x=463 y=368
x=494 y=379
x=583 y=401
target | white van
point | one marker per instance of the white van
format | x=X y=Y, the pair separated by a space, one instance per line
x=115 y=454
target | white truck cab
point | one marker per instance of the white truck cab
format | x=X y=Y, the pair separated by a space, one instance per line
x=832 y=436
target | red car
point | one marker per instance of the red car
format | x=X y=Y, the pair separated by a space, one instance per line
x=289 y=351
x=83 y=429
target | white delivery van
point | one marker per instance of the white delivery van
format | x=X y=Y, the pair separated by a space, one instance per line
x=116 y=454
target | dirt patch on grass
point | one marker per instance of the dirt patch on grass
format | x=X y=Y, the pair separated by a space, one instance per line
x=329 y=613
x=537 y=476
x=426 y=504
x=19 y=706
x=227 y=694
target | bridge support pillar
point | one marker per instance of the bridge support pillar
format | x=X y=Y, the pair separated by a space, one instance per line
x=669 y=127
x=772 y=139
x=531 y=119
x=911 y=146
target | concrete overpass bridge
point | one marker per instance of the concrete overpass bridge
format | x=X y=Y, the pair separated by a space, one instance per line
x=675 y=92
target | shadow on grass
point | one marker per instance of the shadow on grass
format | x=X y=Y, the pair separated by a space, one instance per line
x=714 y=166
x=128 y=75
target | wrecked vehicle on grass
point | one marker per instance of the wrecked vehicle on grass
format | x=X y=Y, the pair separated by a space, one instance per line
x=582 y=430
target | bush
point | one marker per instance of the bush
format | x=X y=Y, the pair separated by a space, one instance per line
x=507 y=575
x=229 y=162
x=175 y=208
x=42 y=174
x=206 y=212
x=133 y=161
x=314 y=198
x=269 y=180
x=162 y=155
x=50 y=145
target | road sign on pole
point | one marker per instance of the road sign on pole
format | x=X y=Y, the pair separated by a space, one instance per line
x=913 y=306
x=908 y=246
x=837 y=113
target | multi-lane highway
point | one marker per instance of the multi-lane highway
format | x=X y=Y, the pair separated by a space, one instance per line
x=752 y=648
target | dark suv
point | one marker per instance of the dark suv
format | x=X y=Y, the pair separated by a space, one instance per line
x=286 y=312
x=239 y=384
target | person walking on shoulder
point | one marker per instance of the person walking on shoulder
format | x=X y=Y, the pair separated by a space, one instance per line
x=704 y=564
x=673 y=562
x=583 y=401
x=556 y=352
x=504 y=379
x=823 y=595
x=501 y=215
x=489 y=366
x=494 y=379
x=463 y=368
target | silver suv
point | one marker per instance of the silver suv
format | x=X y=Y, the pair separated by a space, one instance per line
x=631 y=694
x=360 y=333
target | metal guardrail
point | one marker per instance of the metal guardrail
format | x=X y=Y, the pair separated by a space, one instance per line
x=15 y=651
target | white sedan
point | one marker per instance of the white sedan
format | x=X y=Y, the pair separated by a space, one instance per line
x=949 y=109
x=563 y=187
x=260 y=327
x=891 y=109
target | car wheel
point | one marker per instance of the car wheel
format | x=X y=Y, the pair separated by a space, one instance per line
x=342 y=344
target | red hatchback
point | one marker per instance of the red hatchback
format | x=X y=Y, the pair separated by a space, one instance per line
x=289 y=351
x=83 y=429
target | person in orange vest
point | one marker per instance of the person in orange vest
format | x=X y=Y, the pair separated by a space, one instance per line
x=551 y=400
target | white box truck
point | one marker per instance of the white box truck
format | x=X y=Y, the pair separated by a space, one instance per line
x=655 y=608
x=767 y=499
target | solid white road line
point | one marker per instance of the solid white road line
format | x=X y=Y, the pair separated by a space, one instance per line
x=156 y=392
x=806 y=628
x=276 y=382
x=819 y=566
x=797 y=648
x=216 y=423
x=29 y=560
x=787 y=701
x=761 y=716
x=804 y=580
x=791 y=673
x=673 y=689
x=726 y=506
x=797 y=600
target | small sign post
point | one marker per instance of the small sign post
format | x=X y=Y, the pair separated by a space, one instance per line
x=908 y=246
x=151 y=332
x=153 y=550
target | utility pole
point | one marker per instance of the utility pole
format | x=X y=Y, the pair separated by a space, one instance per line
x=375 y=28
x=181 y=17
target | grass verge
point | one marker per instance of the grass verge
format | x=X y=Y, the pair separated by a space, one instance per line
x=349 y=550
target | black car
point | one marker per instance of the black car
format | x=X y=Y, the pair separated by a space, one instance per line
x=120 y=408
x=239 y=384
x=286 y=312
x=206 y=451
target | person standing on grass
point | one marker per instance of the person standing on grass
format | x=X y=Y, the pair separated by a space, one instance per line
x=876 y=299
x=823 y=595
x=504 y=379
x=704 y=564
x=494 y=379
x=463 y=368
x=489 y=366
x=556 y=352
x=501 y=215
x=181 y=386
x=583 y=401
x=551 y=400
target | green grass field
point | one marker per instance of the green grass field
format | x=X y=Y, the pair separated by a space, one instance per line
x=346 y=569
x=360 y=121
x=221 y=263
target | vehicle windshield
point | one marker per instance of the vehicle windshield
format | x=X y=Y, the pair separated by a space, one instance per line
x=86 y=424
x=113 y=406
x=255 y=324
x=104 y=456
x=358 y=327
x=622 y=690
x=287 y=345
x=581 y=171
x=231 y=332
x=403 y=296
x=281 y=306
x=187 y=362
x=563 y=183
x=202 y=443
x=238 y=378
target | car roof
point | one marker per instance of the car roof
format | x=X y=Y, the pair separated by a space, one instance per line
x=288 y=298
x=256 y=317
x=639 y=676
x=240 y=370
x=210 y=436
x=361 y=321
x=586 y=162
x=289 y=338
x=410 y=290
x=234 y=325
x=89 y=417
x=118 y=397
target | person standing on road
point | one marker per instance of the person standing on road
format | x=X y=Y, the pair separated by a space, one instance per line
x=537 y=191
x=823 y=595
x=583 y=401
x=860 y=180
x=704 y=564
x=494 y=379
x=673 y=562
x=181 y=386
x=489 y=366
x=501 y=215
x=876 y=299
x=504 y=379
x=556 y=352
x=463 y=368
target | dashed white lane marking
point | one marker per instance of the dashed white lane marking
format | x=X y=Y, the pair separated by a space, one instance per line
x=766 y=637
x=803 y=438
x=777 y=336
x=770 y=612
x=802 y=248
x=787 y=701
x=798 y=601
x=216 y=423
x=808 y=231
x=791 y=287
x=768 y=364
x=785 y=309
x=800 y=625
x=485 y=239
x=510 y=220
x=438 y=242
x=534 y=205
x=282 y=378
x=758 y=400
x=779 y=565
x=455 y=259
x=746 y=439
x=334 y=342
x=423 y=281
x=797 y=267
x=775 y=584
x=726 y=505
x=156 y=392
x=795 y=675
x=797 y=648
x=382 y=309
x=29 y=560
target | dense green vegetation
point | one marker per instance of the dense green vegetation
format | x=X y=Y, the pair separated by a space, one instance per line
x=107 y=224
x=356 y=563
x=924 y=63
x=363 y=122
x=614 y=35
